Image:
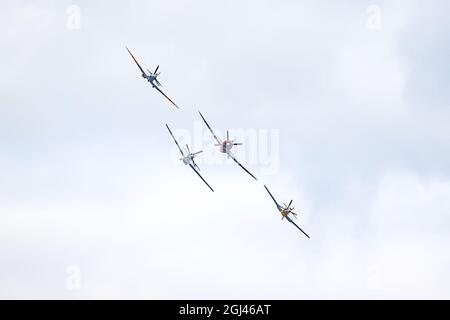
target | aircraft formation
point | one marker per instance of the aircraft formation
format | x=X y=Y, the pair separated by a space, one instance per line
x=225 y=146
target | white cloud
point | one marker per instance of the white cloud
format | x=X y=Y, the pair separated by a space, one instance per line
x=171 y=241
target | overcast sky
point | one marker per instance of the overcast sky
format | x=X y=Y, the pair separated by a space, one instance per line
x=342 y=106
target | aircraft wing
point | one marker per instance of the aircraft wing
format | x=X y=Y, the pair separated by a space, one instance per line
x=215 y=137
x=137 y=63
x=291 y=221
x=201 y=177
x=276 y=203
x=175 y=140
x=240 y=165
x=156 y=87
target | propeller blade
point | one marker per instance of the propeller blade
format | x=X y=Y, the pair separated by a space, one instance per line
x=290 y=203
x=187 y=147
x=228 y=135
x=237 y=144
x=156 y=70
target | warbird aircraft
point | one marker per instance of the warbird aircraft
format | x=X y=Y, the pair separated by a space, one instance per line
x=152 y=78
x=286 y=211
x=226 y=145
x=188 y=158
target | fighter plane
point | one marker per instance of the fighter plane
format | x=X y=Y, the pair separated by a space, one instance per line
x=286 y=211
x=188 y=158
x=152 y=78
x=226 y=145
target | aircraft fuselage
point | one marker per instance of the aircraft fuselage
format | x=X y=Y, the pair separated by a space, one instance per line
x=188 y=159
x=226 y=146
x=285 y=212
x=150 y=78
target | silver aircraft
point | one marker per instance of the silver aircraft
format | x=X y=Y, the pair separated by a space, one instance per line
x=188 y=158
x=226 y=145
x=152 y=78
x=286 y=212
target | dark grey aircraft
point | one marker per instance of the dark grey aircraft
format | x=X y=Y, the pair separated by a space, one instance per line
x=152 y=78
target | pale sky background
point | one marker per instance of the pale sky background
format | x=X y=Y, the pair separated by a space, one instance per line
x=93 y=203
